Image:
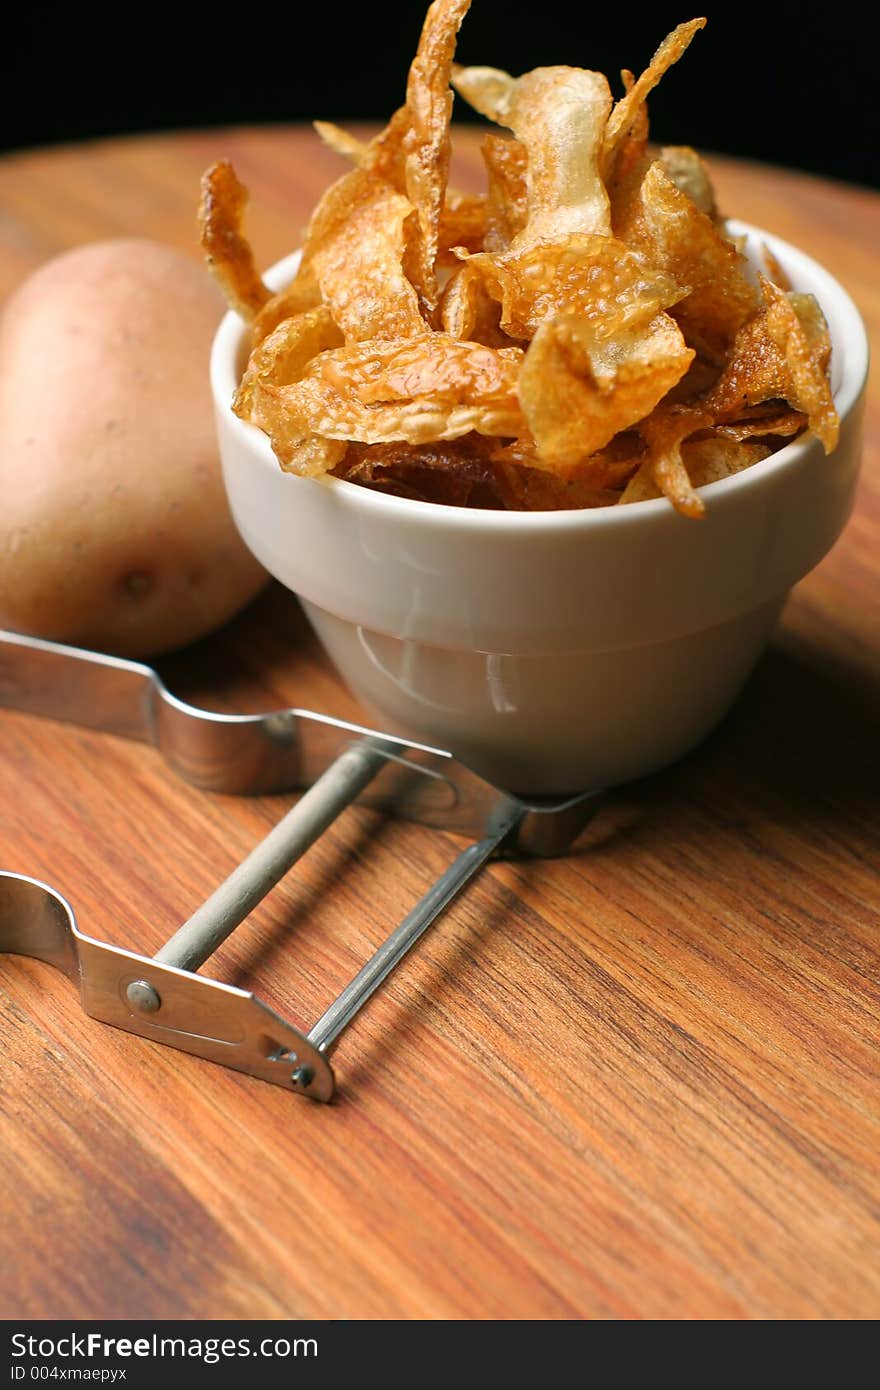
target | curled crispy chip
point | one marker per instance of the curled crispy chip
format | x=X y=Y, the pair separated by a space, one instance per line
x=229 y=254
x=709 y=460
x=462 y=222
x=798 y=330
x=455 y=473
x=284 y=354
x=626 y=111
x=463 y=215
x=687 y=171
x=299 y=297
x=675 y=236
x=764 y=422
x=507 y=206
x=664 y=468
x=281 y=358
x=342 y=142
x=559 y=115
x=418 y=390
x=487 y=90
x=603 y=472
x=612 y=286
x=780 y=355
x=426 y=140
x=578 y=389
x=467 y=309
x=359 y=265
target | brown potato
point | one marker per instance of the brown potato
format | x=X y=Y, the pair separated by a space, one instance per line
x=115 y=531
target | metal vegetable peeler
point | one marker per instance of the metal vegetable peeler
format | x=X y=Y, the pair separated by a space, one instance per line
x=161 y=997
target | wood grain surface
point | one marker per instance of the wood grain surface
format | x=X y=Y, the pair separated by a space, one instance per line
x=639 y=1082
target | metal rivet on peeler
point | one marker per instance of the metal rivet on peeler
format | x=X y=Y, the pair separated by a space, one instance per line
x=141 y=996
x=303 y=1076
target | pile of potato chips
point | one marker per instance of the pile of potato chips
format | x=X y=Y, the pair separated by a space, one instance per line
x=582 y=334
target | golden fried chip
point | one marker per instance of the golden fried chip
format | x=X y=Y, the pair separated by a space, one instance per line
x=798 y=330
x=468 y=311
x=507 y=207
x=781 y=354
x=229 y=254
x=462 y=222
x=676 y=237
x=578 y=389
x=284 y=354
x=558 y=114
x=463 y=215
x=281 y=358
x=604 y=472
x=525 y=489
x=664 y=467
x=763 y=423
x=418 y=390
x=709 y=460
x=454 y=473
x=299 y=297
x=487 y=90
x=689 y=174
x=359 y=265
x=426 y=140
x=341 y=142
x=774 y=269
x=611 y=285
x=627 y=109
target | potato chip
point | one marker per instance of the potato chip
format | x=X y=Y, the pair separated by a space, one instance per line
x=558 y=114
x=299 y=297
x=281 y=358
x=229 y=254
x=528 y=490
x=605 y=471
x=342 y=142
x=709 y=460
x=676 y=237
x=488 y=90
x=359 y=266
x=578 y=389
x=798 y=330
x=462 y=222
x=507 y=207
x=780 y=355
x=687 y=171
x=426 y=140
x=612 y=286
x=284 y=354
x=762 y=423
x=626 y=111
x=468 y=311
x=664 y=433
x=456 y=473
x=418 y=390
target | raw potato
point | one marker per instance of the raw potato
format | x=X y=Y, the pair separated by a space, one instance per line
x=115 y=532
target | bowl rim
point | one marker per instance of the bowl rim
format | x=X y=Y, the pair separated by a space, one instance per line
x=225 y=352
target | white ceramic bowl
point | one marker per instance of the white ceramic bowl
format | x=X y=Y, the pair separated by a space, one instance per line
x=551 y=651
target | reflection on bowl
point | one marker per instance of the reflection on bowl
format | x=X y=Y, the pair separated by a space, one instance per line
x=552 y=651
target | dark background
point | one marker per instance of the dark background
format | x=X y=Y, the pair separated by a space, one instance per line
x=785 y=83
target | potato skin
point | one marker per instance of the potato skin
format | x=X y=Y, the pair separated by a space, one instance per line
x=115 y=532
